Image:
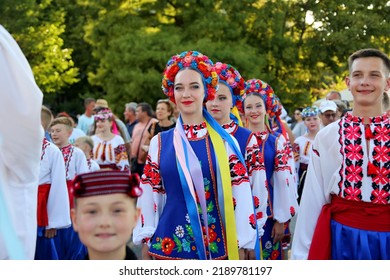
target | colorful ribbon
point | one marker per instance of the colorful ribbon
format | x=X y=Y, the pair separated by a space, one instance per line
x=235 y=115
x=224 y=169
x=191 y=178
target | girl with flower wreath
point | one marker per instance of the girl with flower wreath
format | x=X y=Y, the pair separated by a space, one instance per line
x=197 y=201
x=109 y=149
x=225 y=108
x=282 y=203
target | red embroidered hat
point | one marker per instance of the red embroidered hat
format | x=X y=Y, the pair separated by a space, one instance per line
x=106 y=182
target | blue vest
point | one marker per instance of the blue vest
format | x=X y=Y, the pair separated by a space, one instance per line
x=173 y=238
x=242 y=135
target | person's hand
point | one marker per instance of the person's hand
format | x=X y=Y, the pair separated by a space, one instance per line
x=50 y=233
x=277 y=232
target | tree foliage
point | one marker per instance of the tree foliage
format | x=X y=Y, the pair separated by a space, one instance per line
x=118 y=49
x=37 y=27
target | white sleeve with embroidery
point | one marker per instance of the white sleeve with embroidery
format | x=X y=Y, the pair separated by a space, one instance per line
x=153 y=198
x=121 y=158
x=285 y=202
x=242 y=195
x=258 y=180
x=58 y=202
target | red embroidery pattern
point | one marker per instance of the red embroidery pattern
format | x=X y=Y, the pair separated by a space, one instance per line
x=67 y=152
x=192 y=130
x=45 y=143
x=377 y=132
x=238 y=172
x=152 y=176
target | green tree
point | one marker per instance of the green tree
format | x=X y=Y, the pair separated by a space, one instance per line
x=38 y=30
x=133 y=43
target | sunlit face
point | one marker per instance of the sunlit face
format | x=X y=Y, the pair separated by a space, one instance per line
x=254 y=109
x=162 y=111
x=60 y=134
x=368 y=80
x=105 y=222
x=189 y=92
x=312 y=123
x=219 y=108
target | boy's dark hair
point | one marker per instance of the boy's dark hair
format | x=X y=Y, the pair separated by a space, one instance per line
x=146 y=107
x=369 y=53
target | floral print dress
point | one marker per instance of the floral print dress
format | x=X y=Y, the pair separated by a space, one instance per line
x=165 y=223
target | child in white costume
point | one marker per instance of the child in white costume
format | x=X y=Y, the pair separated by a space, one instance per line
x=53 y=201
x=21 y=101
x=85 y=143
x=68 y=244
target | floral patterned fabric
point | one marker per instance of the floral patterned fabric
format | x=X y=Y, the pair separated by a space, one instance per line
x=282 y=203
x=256 y=170
x=165 y=222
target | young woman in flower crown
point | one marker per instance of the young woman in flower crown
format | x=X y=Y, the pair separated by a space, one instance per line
x=303 y=144
x=224 y=108
x=197 y=201
x=282 y=203
x=109 y=149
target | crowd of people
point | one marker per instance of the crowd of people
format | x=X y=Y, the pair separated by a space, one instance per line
x=216 y=170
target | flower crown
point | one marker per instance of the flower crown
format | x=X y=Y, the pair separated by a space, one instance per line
x=265 y=91
x=194 y=60
x=103 y=114
x=310 y=112
x=232 y=78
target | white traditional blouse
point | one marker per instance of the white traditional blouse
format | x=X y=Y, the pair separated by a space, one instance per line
x=284 y=204
x=256 y=171
x=92 y=165
x=75 y=161
x=111 y=152
x=302 y=149
x=350 y=160
x=52 y=171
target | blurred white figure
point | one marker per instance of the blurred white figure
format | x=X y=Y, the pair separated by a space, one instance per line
x=21 y=136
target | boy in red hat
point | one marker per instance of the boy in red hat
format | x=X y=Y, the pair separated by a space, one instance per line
x=105 y=213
